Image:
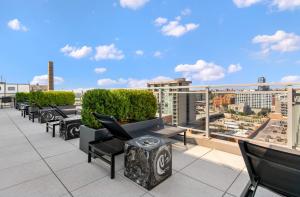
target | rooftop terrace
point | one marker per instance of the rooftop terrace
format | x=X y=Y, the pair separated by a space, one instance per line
x=32 y=163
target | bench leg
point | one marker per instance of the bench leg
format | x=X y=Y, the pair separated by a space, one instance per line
x=32 y=117
x=112 y=168
x=89 y=155
x=184 y=138
x=47 y=128
x=53 y=131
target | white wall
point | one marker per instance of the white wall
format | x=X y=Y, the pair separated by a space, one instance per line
x=11 y=89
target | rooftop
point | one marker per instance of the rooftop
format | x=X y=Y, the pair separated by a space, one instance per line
x=32 y=163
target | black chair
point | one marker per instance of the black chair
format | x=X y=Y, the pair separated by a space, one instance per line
x=6 y=100
x=68 y=126
x=114 y=145
x=275 y=169
x=110 y=146
x=33 y=111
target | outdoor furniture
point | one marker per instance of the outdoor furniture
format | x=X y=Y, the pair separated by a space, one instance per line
x=24 y=109
x=148 y=160
x=6 y=100
x=68 y=126
x=112 y=146
x=51 y=126
x=275 y=169
x=33 y=112
x=50 y=114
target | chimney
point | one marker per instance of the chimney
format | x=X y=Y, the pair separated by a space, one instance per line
x=50 y=76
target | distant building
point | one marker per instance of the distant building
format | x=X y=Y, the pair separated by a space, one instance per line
x=241 y=108
x=10 y=89
x=262 y=80
x=180 y=105
x=37 y=87
x=256 y=100
x=279 y=104
x=223 y=100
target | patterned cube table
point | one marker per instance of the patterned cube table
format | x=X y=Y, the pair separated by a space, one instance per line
x=148 y=160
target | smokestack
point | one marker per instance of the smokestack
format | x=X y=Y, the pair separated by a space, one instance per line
x=50 y=76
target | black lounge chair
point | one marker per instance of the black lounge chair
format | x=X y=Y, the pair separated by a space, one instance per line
x=33 y=111
x=68 y=126
x=6 y=100
x=24 y=109
x=275 y=169
x=114 y=145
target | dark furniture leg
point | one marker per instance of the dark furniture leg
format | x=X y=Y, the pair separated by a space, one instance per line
x=184 y=138
x=89 y=155
x=53 y=131
x=47 y=127
x=112 y=167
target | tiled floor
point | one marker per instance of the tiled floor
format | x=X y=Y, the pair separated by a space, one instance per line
x=32 y=163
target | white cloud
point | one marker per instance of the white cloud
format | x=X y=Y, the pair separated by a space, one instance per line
x=232 y=68
x=76 y=52
x=100 y=70
x=133 y=4
x=280 y=41
x=105 y=52
x=139 y=52
x=245 y=3
x=107 y=82
x=157 y=54
x=286 y=4
x=201 y=70
x=16 y=25
x=139 y=83
x=43 y=80
x=174 y=28
x=291 y=78
x=186 y=12
x=130 y=82
x=160 y=21
x=281 y=5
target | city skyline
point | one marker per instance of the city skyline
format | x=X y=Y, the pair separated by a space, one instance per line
x=128 y=43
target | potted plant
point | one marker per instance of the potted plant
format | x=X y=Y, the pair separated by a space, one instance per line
x=134 y=109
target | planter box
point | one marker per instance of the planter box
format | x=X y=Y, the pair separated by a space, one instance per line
x=88 y=134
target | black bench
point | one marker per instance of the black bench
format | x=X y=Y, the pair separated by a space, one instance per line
x=68 y=126
x=114 y=145
x=6 y=100
x=275 y=169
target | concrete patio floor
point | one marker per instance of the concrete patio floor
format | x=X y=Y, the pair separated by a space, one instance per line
x=32 y=163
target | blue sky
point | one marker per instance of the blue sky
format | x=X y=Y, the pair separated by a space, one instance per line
x=124 y=43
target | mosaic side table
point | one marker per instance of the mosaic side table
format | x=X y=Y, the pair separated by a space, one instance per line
x=148 y=160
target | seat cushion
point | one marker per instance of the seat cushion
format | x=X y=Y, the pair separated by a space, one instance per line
x=109 y=147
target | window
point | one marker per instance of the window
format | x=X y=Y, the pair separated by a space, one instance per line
x=11 y=88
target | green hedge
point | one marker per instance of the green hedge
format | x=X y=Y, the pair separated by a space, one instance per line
x=45 y=99
x=22 y=97
x=124 y=105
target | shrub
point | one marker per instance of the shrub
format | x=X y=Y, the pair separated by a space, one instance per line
x=22 y=97
x=124 y=105
x=58 y=98
x=143 y=104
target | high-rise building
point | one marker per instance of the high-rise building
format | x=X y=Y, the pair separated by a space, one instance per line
x=262 y=87
x=181 y=106
x=280 y=104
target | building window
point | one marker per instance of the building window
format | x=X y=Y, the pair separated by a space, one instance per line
x=11 y=88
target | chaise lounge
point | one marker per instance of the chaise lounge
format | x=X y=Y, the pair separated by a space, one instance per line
x=275 y=169
x=68 y=126
x=107 y=148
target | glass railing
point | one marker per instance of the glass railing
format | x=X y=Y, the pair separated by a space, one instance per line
x=268 y=112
